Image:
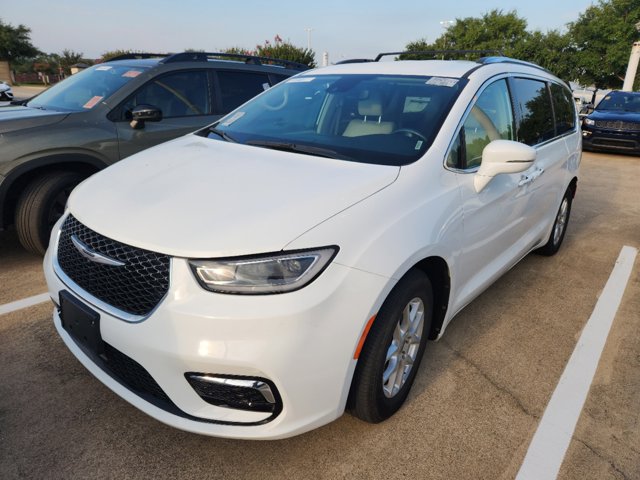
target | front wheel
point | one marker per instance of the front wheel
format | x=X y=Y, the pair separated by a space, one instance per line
x=393 y=350
x=559 y=226
x=40 y=206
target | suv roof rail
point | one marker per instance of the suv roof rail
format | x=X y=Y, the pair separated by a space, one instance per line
x=439 y=52
x=423 y=52
x=502 y=59
x=252 y=59
x=355 y=60
x=134 y=56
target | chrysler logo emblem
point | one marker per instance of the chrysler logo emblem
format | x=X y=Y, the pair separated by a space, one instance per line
x=94 y=256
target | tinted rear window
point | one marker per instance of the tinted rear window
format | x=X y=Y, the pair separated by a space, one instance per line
x=535 y=115
x=564 y=109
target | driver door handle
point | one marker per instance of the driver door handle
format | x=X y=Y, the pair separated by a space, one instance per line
x=526 y=179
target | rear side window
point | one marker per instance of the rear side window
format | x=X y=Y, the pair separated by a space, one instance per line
x=535 y=114
x=564 y=109
x=238 y=87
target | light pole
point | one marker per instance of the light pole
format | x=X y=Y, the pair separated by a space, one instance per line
x=632 y=67
x=308 y=29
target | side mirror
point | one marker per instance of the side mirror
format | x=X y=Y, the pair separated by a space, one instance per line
x=587 y=109
x=144 y=113
x=503 y=156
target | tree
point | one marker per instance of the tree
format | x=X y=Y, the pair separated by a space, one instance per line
x=15 y=42
x=285 y=50
x=495 y=30
x=505 y=33
x=106 y=56
x=602 y=38
x=552 y=50
x=68 y=59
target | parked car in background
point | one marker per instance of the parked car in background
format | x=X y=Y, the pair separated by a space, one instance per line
x=106 y=113
x=6 y=94
x=257 y=277
x=614 y=124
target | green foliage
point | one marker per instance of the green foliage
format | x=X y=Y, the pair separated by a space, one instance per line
x=495 y=30
x=281 y=49
x=594 y=50
x=552 y=50
x=69 y=58
x=285 y=50
x=239 y=51
x=602 y=37
x=106 y=56
x=15 y=42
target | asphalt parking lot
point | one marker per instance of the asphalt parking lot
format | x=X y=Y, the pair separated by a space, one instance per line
x=478 y=398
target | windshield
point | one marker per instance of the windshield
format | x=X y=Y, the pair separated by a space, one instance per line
x=381 y=119
x=86 y=89
x=620 y=102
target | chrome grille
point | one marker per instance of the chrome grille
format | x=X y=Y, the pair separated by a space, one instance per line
x=618 y=125
x=135 y=288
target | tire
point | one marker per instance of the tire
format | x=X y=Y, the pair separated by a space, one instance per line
x=40 y=206
x=374 y=395
x=559 y=226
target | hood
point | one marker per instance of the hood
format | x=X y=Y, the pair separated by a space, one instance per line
x=19 y=117
x=610 y=115
x=201 y=198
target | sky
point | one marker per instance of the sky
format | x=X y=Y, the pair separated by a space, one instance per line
x=343 y=28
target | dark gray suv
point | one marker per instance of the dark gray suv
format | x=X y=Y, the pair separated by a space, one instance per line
x=108 y=112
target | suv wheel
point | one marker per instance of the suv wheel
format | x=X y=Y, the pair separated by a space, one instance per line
x=393 y=349
x=40 y=206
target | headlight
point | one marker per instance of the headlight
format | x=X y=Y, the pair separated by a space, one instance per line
x=588 y=121
x=263 y=274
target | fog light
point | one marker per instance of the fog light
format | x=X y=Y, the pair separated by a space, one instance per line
x=241 y=393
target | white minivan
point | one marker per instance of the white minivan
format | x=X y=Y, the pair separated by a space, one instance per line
x=260 y=276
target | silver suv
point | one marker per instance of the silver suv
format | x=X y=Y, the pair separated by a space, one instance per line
x=53 y=141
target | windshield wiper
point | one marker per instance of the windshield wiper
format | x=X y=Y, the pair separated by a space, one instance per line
x=297 y=148
x=223 y=135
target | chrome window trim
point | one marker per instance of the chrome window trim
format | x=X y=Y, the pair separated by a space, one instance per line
x=480 y=90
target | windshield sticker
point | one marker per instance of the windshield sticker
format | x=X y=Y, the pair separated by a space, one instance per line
x=92 y=102
x=131 y=73
x=301 y=79
x=419 y=144
x=442 y=82
x=232 y=118
x=266 y=86
x=104 y=67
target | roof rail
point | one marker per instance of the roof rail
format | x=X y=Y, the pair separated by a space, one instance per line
x=440 y=52
x=422 y=52
x=134 y=56
x=251 y=59
x=502 y=59
x=355 y=60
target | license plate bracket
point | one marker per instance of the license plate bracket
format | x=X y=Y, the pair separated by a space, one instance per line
x=81 y=322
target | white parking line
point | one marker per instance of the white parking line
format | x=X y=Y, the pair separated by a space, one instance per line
x=555 y=431
x=24 y=303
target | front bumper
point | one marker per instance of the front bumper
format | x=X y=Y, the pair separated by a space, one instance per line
x=301 y=341
x=595 y=138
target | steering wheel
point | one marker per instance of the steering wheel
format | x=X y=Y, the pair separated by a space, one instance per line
x=410 y=132
x=278 y=106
